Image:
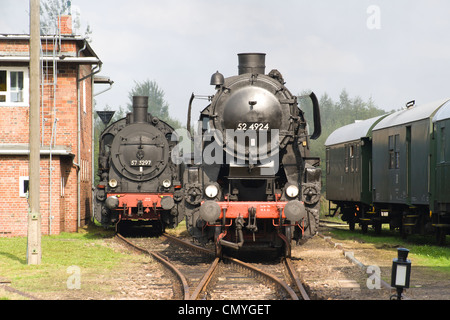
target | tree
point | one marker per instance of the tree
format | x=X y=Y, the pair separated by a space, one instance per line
x=99 y=126
x=335 y=115
x=157 y=106
x=51 y=10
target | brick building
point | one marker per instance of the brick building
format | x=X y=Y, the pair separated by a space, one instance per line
x=68 y=74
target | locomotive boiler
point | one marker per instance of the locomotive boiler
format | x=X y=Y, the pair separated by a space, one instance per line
x=139 y=184
x=256 y=185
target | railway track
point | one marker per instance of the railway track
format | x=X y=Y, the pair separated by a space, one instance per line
x=198 y=275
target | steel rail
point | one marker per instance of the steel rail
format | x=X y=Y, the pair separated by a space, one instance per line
x=188 y=244
x=297 y=281
x=209 y=274
x=205 y=280
x=271 y=278
x=181 y=278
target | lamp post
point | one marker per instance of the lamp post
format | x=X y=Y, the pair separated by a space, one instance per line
x=401 y=272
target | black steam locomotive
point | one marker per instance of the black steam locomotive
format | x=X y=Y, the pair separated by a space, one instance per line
x=139 y=183
x=256 y=185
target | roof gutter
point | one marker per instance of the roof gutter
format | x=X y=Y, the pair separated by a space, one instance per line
x=44 y=152
x=62 y=59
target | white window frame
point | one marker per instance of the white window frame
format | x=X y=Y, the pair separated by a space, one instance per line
x=84 y=97
x=26 y=89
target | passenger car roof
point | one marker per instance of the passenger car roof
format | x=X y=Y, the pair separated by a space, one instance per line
x=443 y=112
x=410 y=115
x=354 y=131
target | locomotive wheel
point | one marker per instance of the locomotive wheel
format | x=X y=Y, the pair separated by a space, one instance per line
x=377 y=225
x=287 y=246
x=441 y=233
x=351 y=225
x=364 y=227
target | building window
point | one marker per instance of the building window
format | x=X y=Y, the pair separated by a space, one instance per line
x=14 y=86
x=23 y=186
x=84 y=97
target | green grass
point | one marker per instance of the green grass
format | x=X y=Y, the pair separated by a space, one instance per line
x=422 y=250
x=85 y=249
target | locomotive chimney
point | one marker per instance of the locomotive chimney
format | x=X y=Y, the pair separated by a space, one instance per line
x=252 y=63
x=140 y=109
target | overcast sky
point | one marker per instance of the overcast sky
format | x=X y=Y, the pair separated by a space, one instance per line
x=391 y=50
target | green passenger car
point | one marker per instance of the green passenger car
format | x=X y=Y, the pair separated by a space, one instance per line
x=440 y=181
x=348 y=171
x=402 y=154
x=393 y=169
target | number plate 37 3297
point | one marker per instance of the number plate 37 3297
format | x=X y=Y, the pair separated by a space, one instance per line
x=140 y=163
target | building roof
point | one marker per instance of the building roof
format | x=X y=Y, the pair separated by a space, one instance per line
x=410 y=115
x=354 y=131
x=89 y=56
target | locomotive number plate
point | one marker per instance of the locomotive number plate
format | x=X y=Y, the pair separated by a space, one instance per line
x=140 y=163
x=243 y=126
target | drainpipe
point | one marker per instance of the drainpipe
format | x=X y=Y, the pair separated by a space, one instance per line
x=110 y=82
x=94 y=71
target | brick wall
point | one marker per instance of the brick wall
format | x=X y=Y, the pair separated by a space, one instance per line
x=13 y=204
x=14 y=129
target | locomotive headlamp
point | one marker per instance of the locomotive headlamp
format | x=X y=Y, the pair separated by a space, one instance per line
x=292 y=191
x=211 y=191
x=166 y=183
x=112 y=183
x=401 y=272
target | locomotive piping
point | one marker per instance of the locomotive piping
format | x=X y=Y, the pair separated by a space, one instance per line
x=239 y=224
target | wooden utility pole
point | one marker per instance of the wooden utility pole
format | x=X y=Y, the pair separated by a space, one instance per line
x=34 y=253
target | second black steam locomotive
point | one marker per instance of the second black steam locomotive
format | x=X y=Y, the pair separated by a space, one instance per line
x=139 y=183
x=255 y=185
